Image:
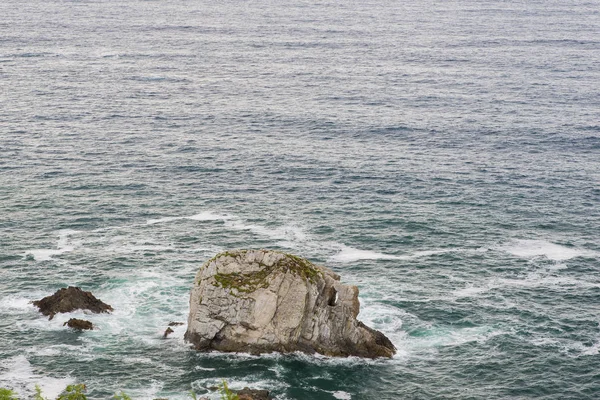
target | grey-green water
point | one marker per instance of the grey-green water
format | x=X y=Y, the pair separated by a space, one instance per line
x=443 y=156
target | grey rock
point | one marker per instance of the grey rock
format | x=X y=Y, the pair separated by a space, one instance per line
x=281 y=303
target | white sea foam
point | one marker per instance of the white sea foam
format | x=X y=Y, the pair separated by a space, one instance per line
x=202 y=216
x=14 y=304
x=542 y=248
x=137 y=360
x=143 y=306
x=534 y=281
x=53 y=350
x=341 y=395
x=64 y=244
x=348 y=254
x=292 y=234
x=41 y=323
x=162 y=220
x=381 y=316
x=199 y=368
x=470 y=291
x=148 y=392
x=16 y=373
x=125 y=248
x=443 y=336
x=531 y=281
x=571 y=348
x=592 y=350
x=209 y=216
x=386 y=319
x=44 y=254
x=44 y=352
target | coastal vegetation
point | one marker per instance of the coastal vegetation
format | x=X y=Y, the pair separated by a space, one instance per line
x=249 y=282
x=77 y=392
x=71 y=392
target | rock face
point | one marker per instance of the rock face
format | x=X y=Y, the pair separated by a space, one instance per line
x=253 y=394
x=260 y=301
x=68 y=300
x=79 y=324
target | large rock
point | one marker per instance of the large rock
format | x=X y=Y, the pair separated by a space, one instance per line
x=70 y=299
x=261 y=301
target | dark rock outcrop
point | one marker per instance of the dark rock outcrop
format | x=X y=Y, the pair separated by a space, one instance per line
x=175 y=323
x=253 y=394
x=260 y=301
x=80 y=324
x=168 y=331
x=70 y=299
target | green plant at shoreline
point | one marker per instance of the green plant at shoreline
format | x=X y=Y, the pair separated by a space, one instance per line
x=38 y=393
x=121 y=396
x=226 y=393
x=76 y=392
x=73 y=392
x=7 y=394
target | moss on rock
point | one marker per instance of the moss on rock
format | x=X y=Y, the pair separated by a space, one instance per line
x=249 y=282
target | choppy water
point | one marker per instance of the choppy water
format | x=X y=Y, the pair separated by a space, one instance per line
x=443 y=156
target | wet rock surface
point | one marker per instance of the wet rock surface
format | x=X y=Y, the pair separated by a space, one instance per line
x=253 y=394
x=79 y=324
x=70 y=299
x=260 y=301
x=168 y=331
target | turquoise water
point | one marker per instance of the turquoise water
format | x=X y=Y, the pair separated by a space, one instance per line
x=443 y=156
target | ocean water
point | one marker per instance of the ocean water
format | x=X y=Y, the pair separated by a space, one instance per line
x=444 y=156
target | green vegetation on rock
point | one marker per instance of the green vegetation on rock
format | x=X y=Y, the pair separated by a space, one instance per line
x=249 y=282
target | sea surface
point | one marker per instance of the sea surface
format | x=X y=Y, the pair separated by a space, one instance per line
x=443 y=156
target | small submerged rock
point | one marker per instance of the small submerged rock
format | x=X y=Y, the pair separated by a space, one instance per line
x=80 y=324
x=168 y=331
x=70 y=299
x=175 y=323
x=260 y=301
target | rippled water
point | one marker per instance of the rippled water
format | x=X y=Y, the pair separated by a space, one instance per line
x=443 y=156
